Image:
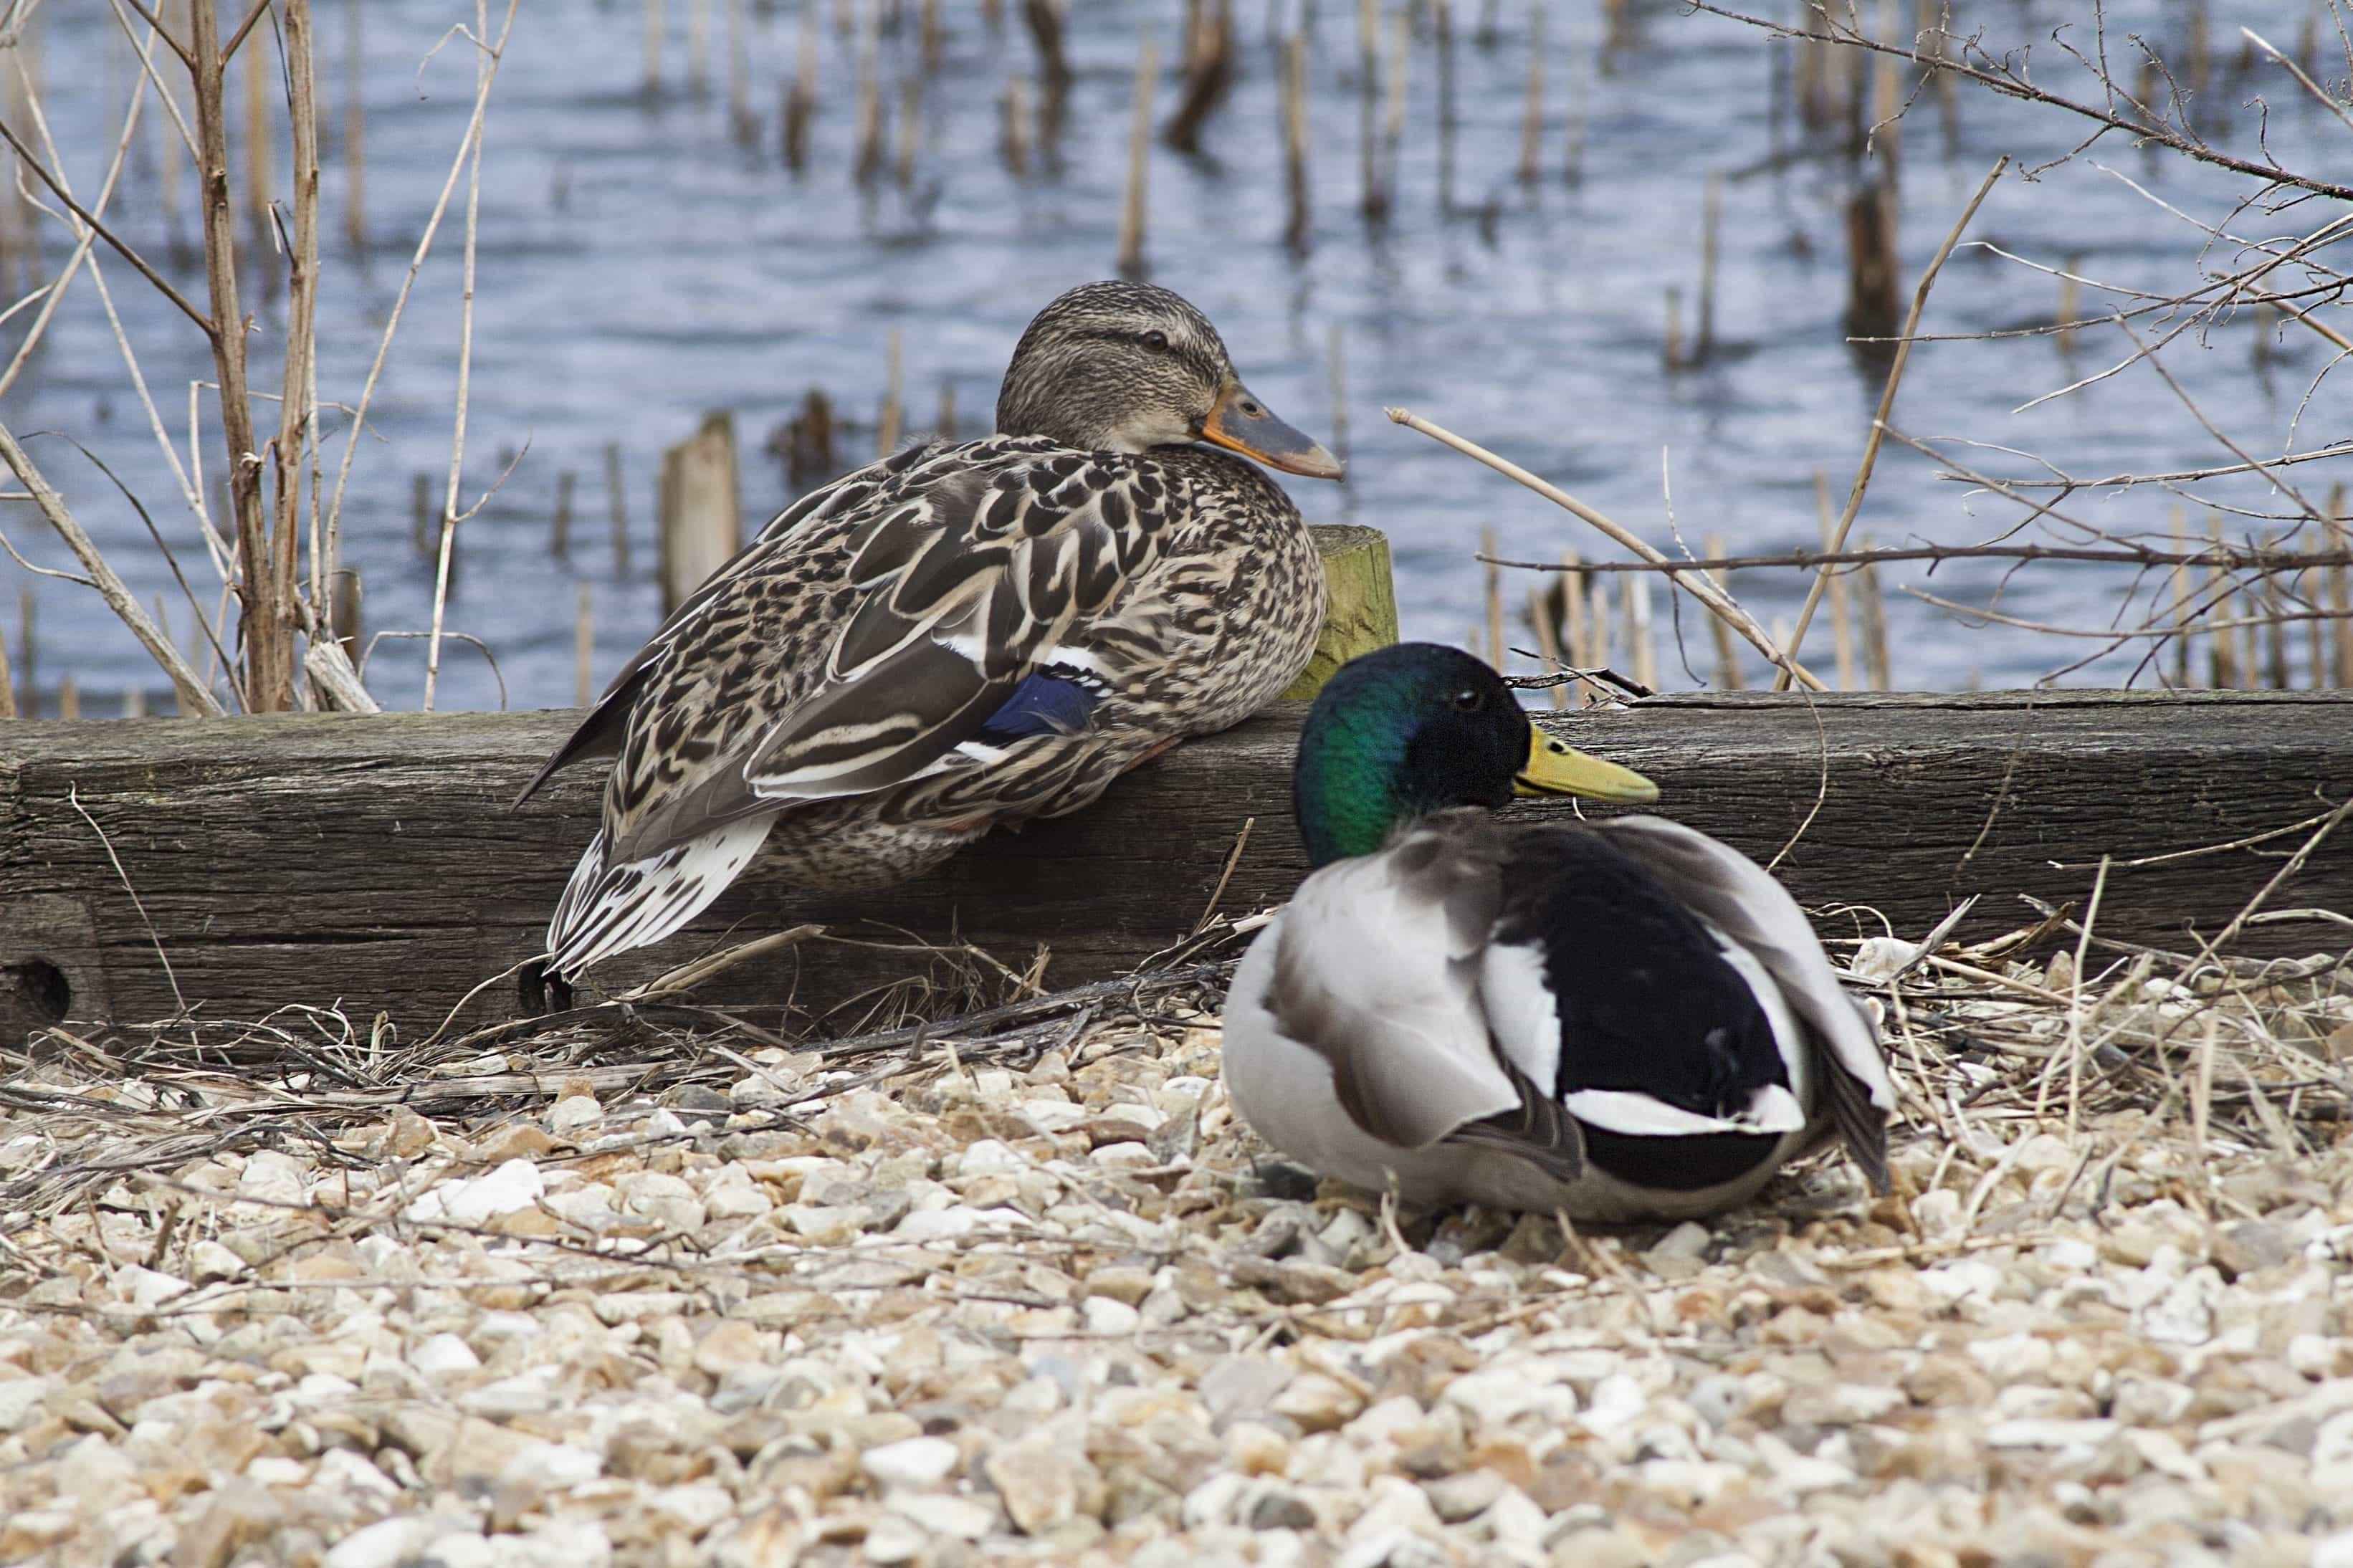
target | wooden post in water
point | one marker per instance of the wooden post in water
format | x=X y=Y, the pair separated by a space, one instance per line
x=1363 y=613
x=702 y=509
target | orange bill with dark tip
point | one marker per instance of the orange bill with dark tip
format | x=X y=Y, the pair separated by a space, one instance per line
x=1238 y=422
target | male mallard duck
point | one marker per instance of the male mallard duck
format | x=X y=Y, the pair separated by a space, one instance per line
x=1626 y=1020
x=964 y=635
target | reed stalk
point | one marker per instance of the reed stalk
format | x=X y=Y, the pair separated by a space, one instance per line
x=1727 y=658
x=354 y=126
x=1532 y=110
x=1138 y=200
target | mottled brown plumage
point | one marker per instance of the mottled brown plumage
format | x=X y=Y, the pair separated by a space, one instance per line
x=962 y=636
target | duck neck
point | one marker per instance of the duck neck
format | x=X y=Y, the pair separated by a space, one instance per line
x=1345 y=793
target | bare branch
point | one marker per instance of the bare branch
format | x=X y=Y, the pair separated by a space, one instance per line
x=104 y=233
x=1886 y=405
x=110 y=587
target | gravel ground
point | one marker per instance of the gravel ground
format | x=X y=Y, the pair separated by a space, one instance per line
x=1033 y=1295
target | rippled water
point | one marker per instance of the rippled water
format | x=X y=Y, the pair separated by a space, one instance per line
x=640 y=265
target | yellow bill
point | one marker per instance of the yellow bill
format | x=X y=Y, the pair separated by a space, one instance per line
x=1554 y=767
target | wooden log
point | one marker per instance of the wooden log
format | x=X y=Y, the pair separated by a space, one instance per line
x=702 y=509
x=372 y=861
x=1363 y=613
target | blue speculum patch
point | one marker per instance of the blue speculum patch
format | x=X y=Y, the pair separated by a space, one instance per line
x=1044 y=704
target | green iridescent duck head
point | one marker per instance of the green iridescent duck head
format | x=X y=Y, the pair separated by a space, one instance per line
x=1417 y=727
x=1120 y=367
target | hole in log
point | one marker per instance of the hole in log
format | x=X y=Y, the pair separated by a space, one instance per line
x=540 y=992
x=47 y=994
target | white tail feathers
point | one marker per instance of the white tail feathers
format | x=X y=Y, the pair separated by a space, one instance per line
x=609 y=909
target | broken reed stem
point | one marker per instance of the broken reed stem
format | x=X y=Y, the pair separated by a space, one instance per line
x=1841 y=616
x=616 y=501
x=7 y=681
x=1337 y=361
x=559 y=529
x=1013 y=141
x=1698 y=586
x=1880 y=417
x=1543 y=622
x=1045 y=19
x=1727 y=658
x=1293 y=97
x=2182 y=589
x=1496 y=652
x=2222 y=643
x=1394 y=110
x=1370 y=199
x=1572 y=137
x=740 y=118
x=1442 y=26
x=869 y=99
x=1139 y=160
x=1878 y=664
x=1209 y=72
x=1641 y=647
x=1532 y=112
x=583 y=648
x=892 y=416
x=2340 y=593
x=28 y=649
x=911 y=130
x=653 y=43
x=1572 y=605
x=801 y=99
x=484 y=64
x=355 y=127
x=1710 y=221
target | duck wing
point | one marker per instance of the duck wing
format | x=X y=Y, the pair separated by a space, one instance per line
x=868 y=632
x=1377 y=970
x=941 y=596
x=1756 y=915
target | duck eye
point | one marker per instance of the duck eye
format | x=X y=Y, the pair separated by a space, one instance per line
x=1469 y=700
x=1156 y=339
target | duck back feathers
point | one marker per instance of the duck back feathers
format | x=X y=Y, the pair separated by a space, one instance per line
x=1627 y=1020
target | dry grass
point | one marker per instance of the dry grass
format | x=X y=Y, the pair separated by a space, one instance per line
x=636 y=1283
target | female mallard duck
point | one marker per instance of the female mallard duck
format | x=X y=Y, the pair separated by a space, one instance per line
x=1626 y=1020
x=962 y=636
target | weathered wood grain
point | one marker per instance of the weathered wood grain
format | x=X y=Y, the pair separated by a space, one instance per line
x=371 y=860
